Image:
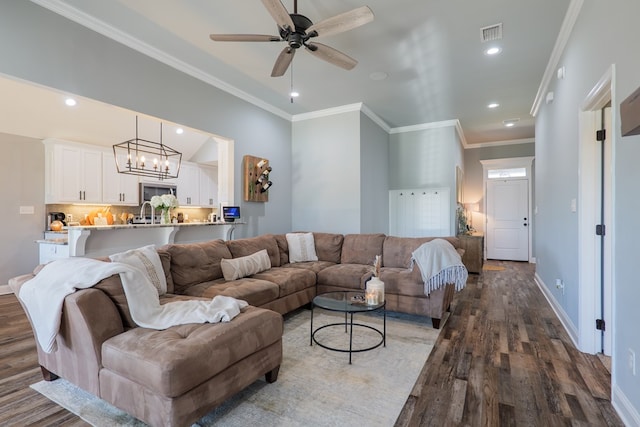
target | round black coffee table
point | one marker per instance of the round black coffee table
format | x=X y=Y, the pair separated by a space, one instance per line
x=347 y=302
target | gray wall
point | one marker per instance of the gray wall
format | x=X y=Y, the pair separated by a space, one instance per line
x=426 y=158
x=39 y=46
x=605 y=33
x=23 y=185
x=374 y=176
x=326 y=173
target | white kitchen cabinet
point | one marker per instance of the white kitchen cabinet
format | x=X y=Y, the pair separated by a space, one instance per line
x=188 y=184
x=118 y=188
x=52 y=251
x=208 y=176
x=73 y=173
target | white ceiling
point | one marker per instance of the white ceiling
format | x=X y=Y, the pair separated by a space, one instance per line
x=430 y=49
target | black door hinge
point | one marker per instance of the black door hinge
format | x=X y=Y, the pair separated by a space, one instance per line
x=601 y=135
x=600 y=230
x=600 y=324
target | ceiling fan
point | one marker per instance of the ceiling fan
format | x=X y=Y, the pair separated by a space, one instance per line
x=298 y=30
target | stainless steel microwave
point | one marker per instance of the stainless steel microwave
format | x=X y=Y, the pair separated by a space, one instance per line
x=148 y=190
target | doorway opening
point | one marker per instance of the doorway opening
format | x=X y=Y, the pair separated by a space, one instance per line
x=507 y=207
x=595 y=217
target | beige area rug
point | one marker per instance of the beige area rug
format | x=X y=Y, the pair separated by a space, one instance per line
x=315 y=386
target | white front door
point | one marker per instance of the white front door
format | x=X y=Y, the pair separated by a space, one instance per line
x=507 y=235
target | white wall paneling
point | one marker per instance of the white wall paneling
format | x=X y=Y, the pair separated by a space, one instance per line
x=420 y=212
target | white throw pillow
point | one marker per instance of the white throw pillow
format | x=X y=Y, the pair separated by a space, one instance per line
x=301 y=247
x=237 y=268
x=146 y=259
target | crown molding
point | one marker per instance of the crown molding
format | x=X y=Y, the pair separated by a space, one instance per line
x=498 y=143
x=423 y=126
x=327 y=112
x=376 y=118
x=558 y=49
x=88 y=21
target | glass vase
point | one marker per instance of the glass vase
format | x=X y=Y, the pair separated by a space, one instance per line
x=165 y=217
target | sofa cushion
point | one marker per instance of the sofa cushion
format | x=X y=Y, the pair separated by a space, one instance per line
x=193 y=263
x=328 y=246
x=237 y=268
x=112 y=286
x=289 y=280
x=402 y=281
x=361 y=248
x=301 y=247
x=256 y=292
x=251 y=245
x=315 y=266
x=146 y=259
x=165 y=259
x=396 y=251
x=351 y=276
x=175 y=360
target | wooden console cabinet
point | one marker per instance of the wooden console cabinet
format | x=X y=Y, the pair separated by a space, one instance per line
x=473 y=257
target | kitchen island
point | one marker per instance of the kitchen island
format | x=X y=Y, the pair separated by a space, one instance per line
x=104 y=240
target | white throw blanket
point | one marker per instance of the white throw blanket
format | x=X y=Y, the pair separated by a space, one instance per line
x=439 y=264
x=44 y=294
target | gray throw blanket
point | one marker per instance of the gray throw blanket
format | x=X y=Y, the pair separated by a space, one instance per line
x=439 y=263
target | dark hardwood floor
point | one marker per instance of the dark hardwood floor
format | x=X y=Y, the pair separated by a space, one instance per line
x=502 y=359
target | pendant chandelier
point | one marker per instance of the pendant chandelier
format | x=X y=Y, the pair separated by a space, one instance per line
x=147 y=158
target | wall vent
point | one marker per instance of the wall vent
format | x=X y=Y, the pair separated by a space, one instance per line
x=491 y=33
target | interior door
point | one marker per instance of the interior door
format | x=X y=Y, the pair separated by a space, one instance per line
x=507 y=236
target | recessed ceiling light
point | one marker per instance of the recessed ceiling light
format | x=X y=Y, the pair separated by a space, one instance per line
x=179 y=131
x=493 y=51
x=70 y=102
x=294 y=94
x=493 y=105
x=509 y=124
x=378 y=75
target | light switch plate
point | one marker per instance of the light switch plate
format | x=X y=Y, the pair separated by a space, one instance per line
x=27 y=210
x=574 y=205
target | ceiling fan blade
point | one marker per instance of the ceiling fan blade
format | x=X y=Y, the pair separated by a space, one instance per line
x=244 y=38
x=331 y=55
x=283 y=61
x=343 y=22
x=279 y=13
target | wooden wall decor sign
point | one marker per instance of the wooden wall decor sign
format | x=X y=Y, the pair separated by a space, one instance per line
x=256 y=179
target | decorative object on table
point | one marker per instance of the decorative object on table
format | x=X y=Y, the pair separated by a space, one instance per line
x=256 y=179
x=56 y=225
x=142 y=157
x=461 y=221
x=102 y=216
x=374 y=293
x=165 y=203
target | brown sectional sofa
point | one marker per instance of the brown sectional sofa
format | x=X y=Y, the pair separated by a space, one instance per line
x=175 y=376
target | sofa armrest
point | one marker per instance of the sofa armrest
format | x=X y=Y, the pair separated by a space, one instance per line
x=89 y=318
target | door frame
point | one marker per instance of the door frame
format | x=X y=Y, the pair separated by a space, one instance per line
x=589 y=296
x=507 y=163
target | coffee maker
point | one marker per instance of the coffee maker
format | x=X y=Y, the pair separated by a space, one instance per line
x=55 y=216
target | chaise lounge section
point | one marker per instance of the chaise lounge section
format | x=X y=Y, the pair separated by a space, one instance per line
x=175 y=376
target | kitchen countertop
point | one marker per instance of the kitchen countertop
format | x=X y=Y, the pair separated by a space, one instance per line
x=129 y=226
x=61 y=241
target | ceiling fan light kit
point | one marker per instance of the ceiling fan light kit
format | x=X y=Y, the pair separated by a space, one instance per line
x=298 y=30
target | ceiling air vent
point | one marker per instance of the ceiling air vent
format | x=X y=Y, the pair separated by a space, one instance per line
x=491 y=33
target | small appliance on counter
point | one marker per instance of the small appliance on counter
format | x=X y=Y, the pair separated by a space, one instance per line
x=55 y=216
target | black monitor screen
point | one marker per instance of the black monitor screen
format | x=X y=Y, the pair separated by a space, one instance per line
x=230 y=213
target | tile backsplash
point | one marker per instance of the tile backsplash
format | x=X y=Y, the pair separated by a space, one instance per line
x=78 y=212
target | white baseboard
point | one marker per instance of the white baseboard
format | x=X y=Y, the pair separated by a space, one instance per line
x=571 y=329
x=5 y=290
x=623 y=406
